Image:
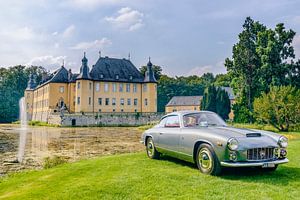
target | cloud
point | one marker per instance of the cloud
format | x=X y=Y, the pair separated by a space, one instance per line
x=47 y=61
x=127 y=18
x=215 y=69
x=104 y=42
x=89 y=4
x=19 y=34
x=69 y=31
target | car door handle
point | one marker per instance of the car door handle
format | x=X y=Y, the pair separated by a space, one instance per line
x=161 y=133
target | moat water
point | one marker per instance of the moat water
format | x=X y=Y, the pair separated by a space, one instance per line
x=70 y=143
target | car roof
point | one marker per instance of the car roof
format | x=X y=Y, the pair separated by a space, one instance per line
x=185 y=112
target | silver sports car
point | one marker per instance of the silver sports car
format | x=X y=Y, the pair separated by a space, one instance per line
x=204 y=138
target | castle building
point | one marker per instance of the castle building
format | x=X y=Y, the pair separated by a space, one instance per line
x=112 y=85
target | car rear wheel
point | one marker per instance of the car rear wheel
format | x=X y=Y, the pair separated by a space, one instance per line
x=150 y=149
x=207 y=160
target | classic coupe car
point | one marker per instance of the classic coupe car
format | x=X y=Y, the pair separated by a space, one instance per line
x=204 y=138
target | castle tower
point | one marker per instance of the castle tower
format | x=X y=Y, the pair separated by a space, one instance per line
x=149 y=90
x=84 y=89
x=28 y=94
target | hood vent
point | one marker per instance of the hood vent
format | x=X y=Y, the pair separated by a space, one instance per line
x=253 y=134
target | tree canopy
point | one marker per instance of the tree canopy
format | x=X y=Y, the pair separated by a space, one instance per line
x=261 y=58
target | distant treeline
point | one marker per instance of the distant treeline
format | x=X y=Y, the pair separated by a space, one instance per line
x=13 y=82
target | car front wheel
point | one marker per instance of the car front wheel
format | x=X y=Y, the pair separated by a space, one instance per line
x=150 y=149
x=207 y=160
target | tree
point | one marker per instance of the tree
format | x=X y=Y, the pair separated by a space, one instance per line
x=259 y=61
x=179 y=86
x=156 y=69
x=13 y=82
x=280 y=107
x=216 y=100
x=223 y=105
x=223 y=80
x=209 y=99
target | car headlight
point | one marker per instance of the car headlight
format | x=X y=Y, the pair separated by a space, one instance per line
x=233 y=144
x=283 y=142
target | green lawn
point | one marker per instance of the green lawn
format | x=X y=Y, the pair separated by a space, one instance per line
x=134 y=176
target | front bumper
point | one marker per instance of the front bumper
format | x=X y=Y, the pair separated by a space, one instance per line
x=253 y=164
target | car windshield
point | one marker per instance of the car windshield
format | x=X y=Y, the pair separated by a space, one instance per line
x=202 y=119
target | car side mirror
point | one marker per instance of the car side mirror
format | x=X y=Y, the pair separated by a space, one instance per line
x=203 y=124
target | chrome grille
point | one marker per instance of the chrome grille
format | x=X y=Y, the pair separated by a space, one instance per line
x=260 y=154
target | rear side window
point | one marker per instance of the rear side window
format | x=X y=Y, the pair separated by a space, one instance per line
x=162 y=122
x=172 y=122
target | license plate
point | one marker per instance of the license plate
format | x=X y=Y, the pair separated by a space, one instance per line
x=268 y=165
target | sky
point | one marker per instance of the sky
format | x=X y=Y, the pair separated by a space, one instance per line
x=189 y=37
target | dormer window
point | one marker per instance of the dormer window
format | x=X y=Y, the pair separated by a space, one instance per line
x=101 y=75
x=130 y=77
x=117 y=76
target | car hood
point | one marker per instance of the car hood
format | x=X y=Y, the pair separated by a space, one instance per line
x=248 y=138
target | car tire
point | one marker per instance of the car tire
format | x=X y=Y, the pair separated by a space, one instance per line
x=207 y=160
x=151 y=150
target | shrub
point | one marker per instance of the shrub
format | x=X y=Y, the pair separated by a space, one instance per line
x=54 y=161
x=280 y=107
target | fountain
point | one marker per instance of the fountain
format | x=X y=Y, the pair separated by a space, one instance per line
x=23 y=130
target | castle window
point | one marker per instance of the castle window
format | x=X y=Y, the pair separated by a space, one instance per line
x=90 y=85
x=106 y=101
x=127 y=87
x=106 y=87
x=145 y=88
x=114 y=88
x=113 y=101
x=122 y=110
x=100 y=101
x=135 y=110
x=121 y=87
x=78 y=85
x=146 y=102
x=117 y=76
x=97 y=87
x=90 y=100
x=114 y=110
x=99 y=110
x=61 y=89
x=122 y=102
x=128 y=102
x=134 y=87
x=135 y=102
x=78 y=100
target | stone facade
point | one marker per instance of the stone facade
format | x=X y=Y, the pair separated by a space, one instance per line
x=111 y=86
x=105 y=119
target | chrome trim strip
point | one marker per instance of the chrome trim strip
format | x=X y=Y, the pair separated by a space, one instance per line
x=249 y=164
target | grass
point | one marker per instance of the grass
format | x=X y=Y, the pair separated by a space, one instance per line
x=134 y=176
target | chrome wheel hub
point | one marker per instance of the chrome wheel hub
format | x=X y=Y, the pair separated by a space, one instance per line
x=205 y=159
x=150 y=148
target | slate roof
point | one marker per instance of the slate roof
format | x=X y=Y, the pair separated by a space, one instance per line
x=105 y=69
x=185 y=101
x=31 y=82
x=59 y=76
x=113 y=69
x=84 y=69
x=149 y=76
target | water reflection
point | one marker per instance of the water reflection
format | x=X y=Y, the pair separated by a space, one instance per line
x=71 y=143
